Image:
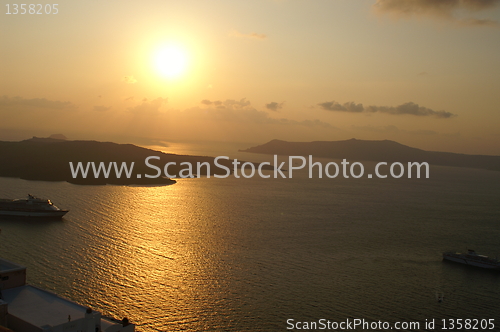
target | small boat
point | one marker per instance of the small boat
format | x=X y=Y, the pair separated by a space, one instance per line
x=473 y=259
x=30 y=207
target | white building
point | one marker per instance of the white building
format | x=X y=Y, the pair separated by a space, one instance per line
x=25 y=308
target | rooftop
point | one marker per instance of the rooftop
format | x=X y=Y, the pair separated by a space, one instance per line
x=43 y=310
x=39 y=307
x=8 y=266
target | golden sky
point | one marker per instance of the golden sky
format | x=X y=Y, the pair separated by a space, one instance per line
x=421 y=72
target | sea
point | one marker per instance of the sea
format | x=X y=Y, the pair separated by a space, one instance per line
x=235 y=254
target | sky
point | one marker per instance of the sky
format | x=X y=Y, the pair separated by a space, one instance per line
x=424 y=73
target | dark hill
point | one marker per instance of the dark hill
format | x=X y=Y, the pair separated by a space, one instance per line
x=47 y=159
x=388 y=151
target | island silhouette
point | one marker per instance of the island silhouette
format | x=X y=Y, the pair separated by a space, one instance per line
x=384 y=150
x=47 y=159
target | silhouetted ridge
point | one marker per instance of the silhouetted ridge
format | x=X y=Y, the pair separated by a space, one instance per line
x=386 y=150
x=47 y=159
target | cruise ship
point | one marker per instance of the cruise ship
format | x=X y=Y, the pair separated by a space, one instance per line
x=26 y=308
x=30 y=207
x=473 y=259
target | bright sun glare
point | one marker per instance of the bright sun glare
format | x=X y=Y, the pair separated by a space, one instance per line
x=171 y=61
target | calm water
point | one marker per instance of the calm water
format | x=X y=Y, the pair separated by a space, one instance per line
x=245 y=255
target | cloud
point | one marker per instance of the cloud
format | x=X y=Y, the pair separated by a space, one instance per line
x=11 y=103
x=406 y=108
x=437 y=8
x=129 y=79
x=243 y=112
x=253 y=35
x=410 y=108
x=390 y=129
x=101 y=108
x=228 y=104
x=477 y=22
x=479 y=4
x=208 y=102
x=258 y=35
x=346 y=107
x=149 y=107
x=274 y=106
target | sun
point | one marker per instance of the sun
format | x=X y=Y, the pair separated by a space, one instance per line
x=171 y=61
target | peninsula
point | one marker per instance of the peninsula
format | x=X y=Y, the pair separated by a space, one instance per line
x=47 y=159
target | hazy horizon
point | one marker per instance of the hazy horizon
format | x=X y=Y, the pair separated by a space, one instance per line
x=414 y=72
x=200 y=148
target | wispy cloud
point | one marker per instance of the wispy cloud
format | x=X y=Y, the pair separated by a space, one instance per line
x=129 y=79
x=346 y=107
x=274 y=106
x=208 y=102
x=477 y=22
x=242 y=111
x=149 y=107
x=34 y=103
x=101 y=108
x=410 y=108
x=252 y=35
x=406 y=108
x=446 y=9
x=229 y=104
x=391 y=129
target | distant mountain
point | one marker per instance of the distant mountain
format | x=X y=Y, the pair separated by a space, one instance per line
x=47 y=159
x=388 y=151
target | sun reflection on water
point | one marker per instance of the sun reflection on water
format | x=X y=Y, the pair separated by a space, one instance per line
x=244 y=255
x=153 y=245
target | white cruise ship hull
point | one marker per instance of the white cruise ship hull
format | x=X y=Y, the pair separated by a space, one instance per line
x=30 y=207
